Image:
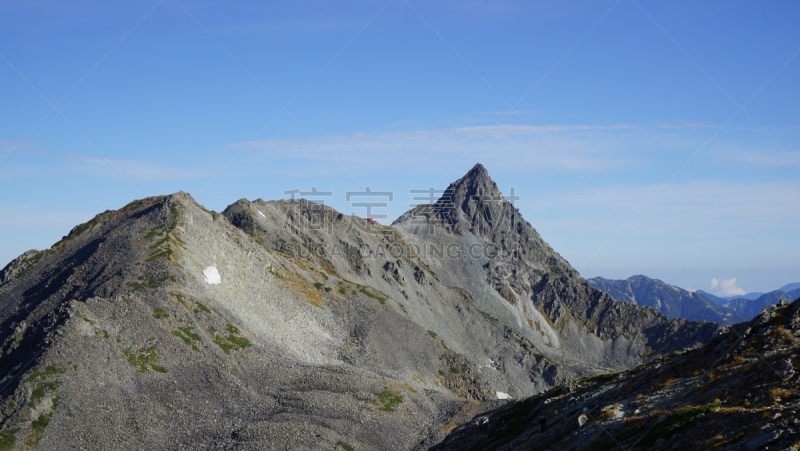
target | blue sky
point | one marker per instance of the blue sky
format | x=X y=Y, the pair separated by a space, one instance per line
x=641 y=137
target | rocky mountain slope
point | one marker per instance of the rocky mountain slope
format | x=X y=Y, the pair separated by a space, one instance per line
x=739 y=392
x=286 y=324
x=668 y=299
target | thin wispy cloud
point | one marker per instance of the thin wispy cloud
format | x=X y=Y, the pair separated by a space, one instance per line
x=509 y=113
x=695 y=208
x=761 y=158
x=578 y=147
x=39 y=164
x=23 y=216
x=8 y=144
x=572 y=148
x=685 y=125
x=292 y=27
x=147 y=170
x=11 y=148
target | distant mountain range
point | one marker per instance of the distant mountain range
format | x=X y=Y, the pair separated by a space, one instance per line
x=751 y=307
x=788 y=288
x=675 y=302
x=668 y=299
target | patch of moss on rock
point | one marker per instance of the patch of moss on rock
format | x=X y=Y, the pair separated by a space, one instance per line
x=145 y=358
x=8 y=438
x=387 y=400
x=188 y=335
x=159 y=313
x=373 y=293
x=44 y=373
x=38 y=425
x=232 y=341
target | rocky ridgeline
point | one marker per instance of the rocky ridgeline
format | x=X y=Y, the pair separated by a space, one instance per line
x=288 y=324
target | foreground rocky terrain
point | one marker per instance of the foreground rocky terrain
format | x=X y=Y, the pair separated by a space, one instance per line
x=738 y=392
x=286 y=324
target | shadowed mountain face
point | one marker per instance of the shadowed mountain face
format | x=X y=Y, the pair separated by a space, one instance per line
x=287 y=324
x=670 y=300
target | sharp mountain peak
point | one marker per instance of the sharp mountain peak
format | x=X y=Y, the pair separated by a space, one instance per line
x=472 y=203
x=474 y=185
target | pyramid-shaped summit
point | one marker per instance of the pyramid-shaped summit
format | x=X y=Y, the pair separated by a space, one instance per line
x=476 y=184
x=473 y=203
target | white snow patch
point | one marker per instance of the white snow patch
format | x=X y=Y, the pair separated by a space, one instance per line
x=212 y=275
x=501 y=395
x=261 y=214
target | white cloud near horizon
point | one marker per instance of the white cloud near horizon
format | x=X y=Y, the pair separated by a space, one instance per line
x=725 y=287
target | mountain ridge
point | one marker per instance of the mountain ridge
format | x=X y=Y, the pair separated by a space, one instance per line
x=165 y=306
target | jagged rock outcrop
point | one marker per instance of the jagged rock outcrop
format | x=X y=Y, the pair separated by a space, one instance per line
x=19 y=265
x=287 y=324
